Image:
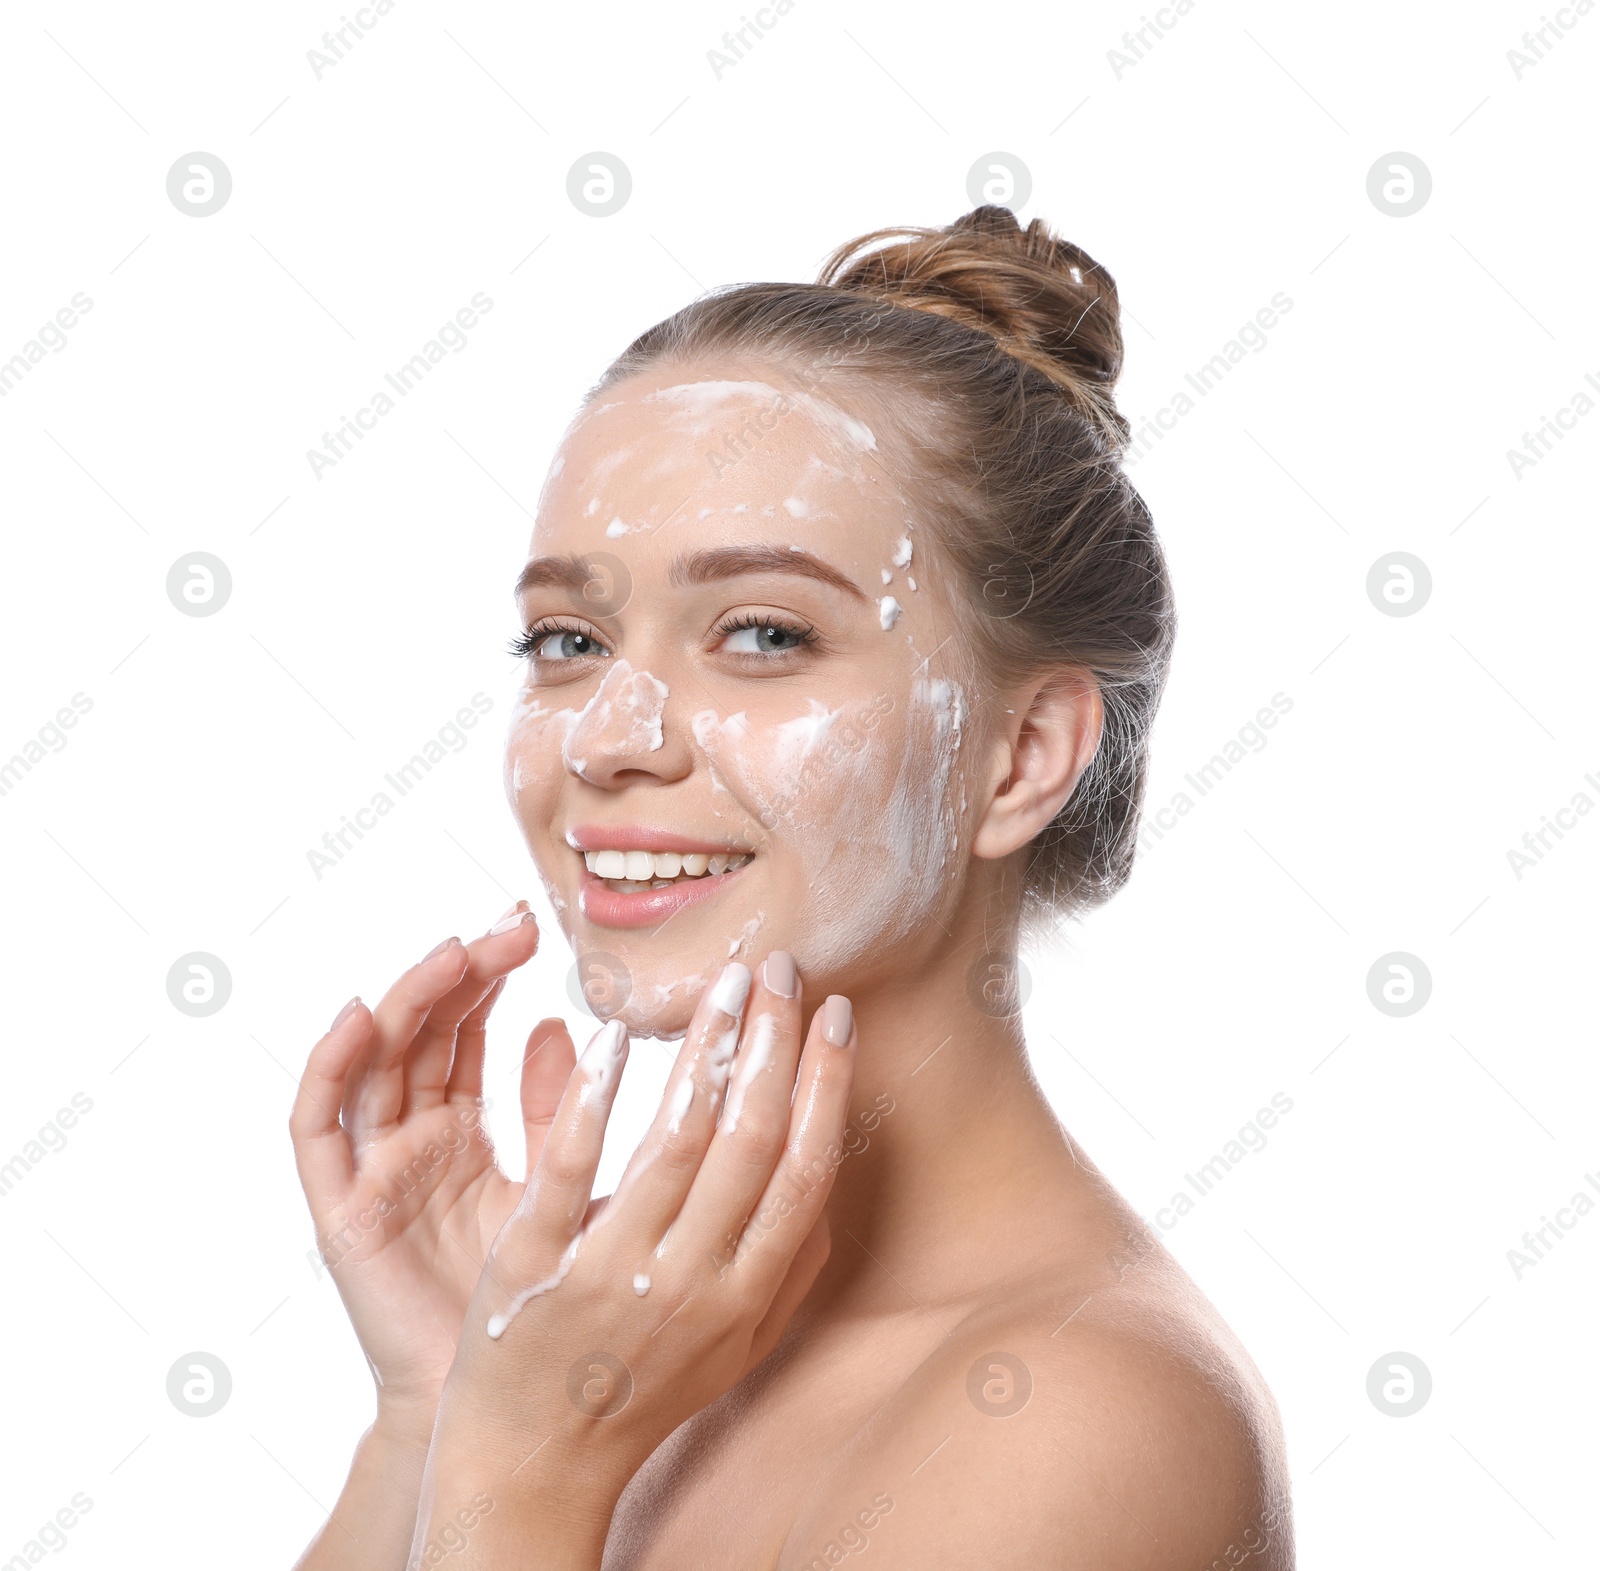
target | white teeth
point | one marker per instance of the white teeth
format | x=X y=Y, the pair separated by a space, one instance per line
x=629 y=871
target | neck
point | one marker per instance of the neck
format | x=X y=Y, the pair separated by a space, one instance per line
x=950 y=1138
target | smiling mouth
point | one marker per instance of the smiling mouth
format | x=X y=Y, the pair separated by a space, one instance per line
x=633 y=872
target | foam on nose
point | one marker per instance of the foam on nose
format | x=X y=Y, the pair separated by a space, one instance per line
x=623 y=718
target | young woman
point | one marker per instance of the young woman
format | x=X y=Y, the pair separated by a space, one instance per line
x=844 y=632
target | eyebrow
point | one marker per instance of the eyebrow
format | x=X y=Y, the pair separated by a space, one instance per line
x=573 y=571
x=555 y=572
x=705 y=567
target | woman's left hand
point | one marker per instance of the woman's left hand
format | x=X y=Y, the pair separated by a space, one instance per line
x=585 y=1346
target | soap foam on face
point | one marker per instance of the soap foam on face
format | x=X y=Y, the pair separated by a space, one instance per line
x=623 y=717
x=867 y=806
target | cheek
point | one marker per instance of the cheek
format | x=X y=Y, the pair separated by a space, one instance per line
x=865 y=806
x=535 y=738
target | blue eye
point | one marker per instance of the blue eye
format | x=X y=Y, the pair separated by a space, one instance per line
x=757 y=635
x=544 y=642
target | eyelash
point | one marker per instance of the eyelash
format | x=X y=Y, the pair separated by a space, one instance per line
x=524 y=644
x=806 y=633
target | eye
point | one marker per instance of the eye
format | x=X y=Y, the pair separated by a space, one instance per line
x=760 y=635
x=553 y=642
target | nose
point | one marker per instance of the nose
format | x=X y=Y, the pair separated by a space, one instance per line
x=622 y=732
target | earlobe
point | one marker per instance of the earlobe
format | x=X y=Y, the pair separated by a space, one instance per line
x=1052 y=734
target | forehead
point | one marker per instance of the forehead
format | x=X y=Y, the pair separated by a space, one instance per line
x=718 y=448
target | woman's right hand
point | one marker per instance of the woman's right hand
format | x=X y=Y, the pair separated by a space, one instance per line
x=396 y=1163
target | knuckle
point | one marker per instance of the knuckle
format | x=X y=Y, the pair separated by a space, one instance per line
x=559 y=1167
x=679 y=1150
x=758 y=1134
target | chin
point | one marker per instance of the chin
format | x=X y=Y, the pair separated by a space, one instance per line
x=651 y=981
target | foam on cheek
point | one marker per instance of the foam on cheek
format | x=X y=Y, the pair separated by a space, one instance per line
x=747 y=934
x=535 y=733
x=826 y=784
x=922 y=827
x=623 y=717
x=798 y=738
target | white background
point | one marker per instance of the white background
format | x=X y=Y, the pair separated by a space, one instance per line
x=368 y=606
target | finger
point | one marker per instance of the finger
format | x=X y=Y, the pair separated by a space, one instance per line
x=538 y=1243
x=321 y=1148
x=466 y=1068
x=799 y=1186
x=547 y=1065
x=442 y=1062
x=754 y=1123
x=373 y=1096
x=804 y=1270
x=661 y=1171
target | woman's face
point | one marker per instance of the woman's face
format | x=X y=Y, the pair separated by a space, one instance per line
x=738 y=651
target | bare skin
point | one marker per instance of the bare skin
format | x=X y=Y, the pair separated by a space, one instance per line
x=975 y=1355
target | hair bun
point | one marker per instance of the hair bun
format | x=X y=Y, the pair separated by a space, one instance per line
x=1045 y=301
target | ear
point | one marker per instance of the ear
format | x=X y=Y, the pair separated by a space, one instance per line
x=1052 y=731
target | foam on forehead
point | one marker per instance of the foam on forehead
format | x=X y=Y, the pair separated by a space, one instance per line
x=699 y=401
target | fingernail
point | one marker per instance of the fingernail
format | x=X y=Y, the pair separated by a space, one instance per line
x=837 y=1020
x=732 y=988
x=515 y=917
x=440 y=948
x=344 y=1014
x=777 y=971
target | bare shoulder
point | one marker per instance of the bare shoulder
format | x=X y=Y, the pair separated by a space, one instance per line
x=1127 y=1432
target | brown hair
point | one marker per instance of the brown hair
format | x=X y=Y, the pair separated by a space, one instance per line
x=994 y=351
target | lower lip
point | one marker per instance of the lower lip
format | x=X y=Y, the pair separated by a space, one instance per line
x=647 y=907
